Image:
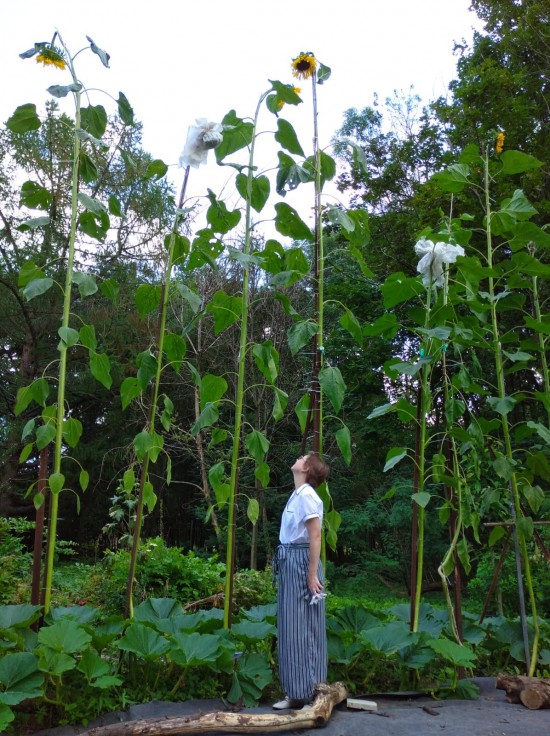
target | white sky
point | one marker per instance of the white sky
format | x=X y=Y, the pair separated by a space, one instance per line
x=178 y=61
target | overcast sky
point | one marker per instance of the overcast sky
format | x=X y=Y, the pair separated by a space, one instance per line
x=178 y=61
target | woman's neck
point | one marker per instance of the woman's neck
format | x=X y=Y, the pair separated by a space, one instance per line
x=299 y=479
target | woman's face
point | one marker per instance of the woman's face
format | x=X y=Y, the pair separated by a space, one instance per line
x=300 y=464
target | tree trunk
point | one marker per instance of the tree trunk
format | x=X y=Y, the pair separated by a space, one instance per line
x=533 y=692
x=314 y=716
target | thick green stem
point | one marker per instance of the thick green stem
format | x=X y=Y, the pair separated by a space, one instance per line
x=52 y=528
x=514 y=491
x=319 y=276
x=129 y=608
x=239 y=400
x=425 y=401
x=542 y=345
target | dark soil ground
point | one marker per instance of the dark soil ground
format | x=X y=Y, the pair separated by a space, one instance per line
x=489 y=715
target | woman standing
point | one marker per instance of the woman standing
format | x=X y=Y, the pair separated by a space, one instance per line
x=301 y=630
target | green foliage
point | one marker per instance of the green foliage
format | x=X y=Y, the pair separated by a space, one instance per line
x=161 y=571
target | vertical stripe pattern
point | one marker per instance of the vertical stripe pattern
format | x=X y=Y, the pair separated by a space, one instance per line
x=301 y=627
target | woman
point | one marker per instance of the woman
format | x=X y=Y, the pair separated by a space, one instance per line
x=301 y=631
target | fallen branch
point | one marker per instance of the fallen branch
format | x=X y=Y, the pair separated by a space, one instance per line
x=313 y=716
x=532 y=692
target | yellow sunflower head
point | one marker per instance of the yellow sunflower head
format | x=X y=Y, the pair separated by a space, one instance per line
x=50 y=56
x=304 y=65
x=499 y=146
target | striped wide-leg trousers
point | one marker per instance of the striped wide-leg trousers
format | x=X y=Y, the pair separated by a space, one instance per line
x=301 y=628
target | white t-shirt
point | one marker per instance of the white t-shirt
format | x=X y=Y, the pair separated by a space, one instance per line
x=303 y=504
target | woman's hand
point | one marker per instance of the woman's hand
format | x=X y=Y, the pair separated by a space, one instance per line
x=314 y=584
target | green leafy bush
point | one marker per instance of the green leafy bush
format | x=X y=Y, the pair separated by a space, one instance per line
x=16 y=562
x=161 y=572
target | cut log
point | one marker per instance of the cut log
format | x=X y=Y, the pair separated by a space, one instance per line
x=532 y=692
x=313 y=716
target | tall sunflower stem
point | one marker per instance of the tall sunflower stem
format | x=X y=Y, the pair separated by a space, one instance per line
x=62 y=374
x=144 y=468
x=239 y=400
x=542 y=346
x=425 y=402
x=515 y=506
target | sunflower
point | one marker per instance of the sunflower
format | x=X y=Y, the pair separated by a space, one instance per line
x=50 y=56
x=304 y=65
x=499 y=147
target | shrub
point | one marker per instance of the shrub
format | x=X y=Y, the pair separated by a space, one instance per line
x=161 y=572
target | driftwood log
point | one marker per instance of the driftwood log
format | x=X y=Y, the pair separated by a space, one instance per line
x=533 y=692
x=313 y=716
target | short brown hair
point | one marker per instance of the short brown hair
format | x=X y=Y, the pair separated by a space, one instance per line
x=316 y=469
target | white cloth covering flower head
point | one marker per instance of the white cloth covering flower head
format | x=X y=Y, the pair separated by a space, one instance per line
x=201 y=138
x=433 y=256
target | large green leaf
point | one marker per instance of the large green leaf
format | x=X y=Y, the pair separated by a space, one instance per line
x=18 y=615
x=37 y=287
x=453 y=179
x=343 y=439
x=147 y=298
x=290 y=174
x=72 y=431
x=225 y=309
x=208 y=416
x=394 y=455
x=388 y=638
x=86 y=283
x=129 y=390
x=92 y=665
x=458 y=655
x=194 y=650
x=516 y=162
x=289 y=223
x=267 y=360
x=37 y=391
x=65 y=636
x=220 y=219
x=300 y=334
x=286 y=136
x=237 y=134
x=253 y=631
x=93 y=119
x=327 y=167
x=125 y=111
x=175 y=348
x=153 y=609
x=280 y=401
x=212 y=389
x=257 y=445
x=350 y=323
x=260 y=188
x=55 y=663
x=35 y=196
x=100 y=368
x=302 y=411
x=252 y=677
x=333 y=386
x=143 y=641
x=24 y=119
x=21 y=678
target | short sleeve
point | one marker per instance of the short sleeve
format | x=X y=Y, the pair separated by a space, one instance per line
x=311 y=506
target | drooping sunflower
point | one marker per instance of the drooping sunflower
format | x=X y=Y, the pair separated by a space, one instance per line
x=304 y=65
x=499 y=147
x=50 y=56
